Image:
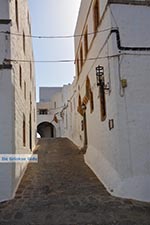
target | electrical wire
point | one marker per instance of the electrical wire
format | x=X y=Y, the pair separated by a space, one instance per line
x=55 y=36
x=53 y=61
x=72 y=60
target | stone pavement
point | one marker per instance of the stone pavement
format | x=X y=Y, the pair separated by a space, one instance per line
x=62 y=190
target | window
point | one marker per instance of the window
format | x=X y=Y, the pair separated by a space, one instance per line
x=77 y=66
x=24 y=43
x=43 y=111
x=24 y=89
x=91 y=102
x=30 y=131
x=30 y=102
x=54 y=105
x=102 y=101
x=86 y=42
x=96 y=14
x=89 y=94
x=24 y=130
x=16 y=11
x=88 y=88
x=20 y=76
x=81 y=57
x=79 y=101
x=79 y=109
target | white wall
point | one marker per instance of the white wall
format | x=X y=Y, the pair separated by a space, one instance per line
x=58 y=98
x=119 y=157
x=134 y=107
x=22 y=104
x=7 y=135
x=6 y=99
x=12 y=95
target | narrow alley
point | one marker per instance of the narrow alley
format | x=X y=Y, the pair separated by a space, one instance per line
x=61 y=190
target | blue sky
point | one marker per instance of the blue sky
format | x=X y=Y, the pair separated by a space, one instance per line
x=53 y=17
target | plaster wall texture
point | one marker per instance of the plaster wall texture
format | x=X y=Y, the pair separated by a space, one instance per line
x=12 y=96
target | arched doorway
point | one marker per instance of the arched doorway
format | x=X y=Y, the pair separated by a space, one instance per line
x=46 y=130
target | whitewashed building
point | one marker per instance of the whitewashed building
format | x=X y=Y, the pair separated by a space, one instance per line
x=50 y=111
x=112 y=126
x=17 y=92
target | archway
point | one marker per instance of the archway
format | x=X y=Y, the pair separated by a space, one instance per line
x=46 y=130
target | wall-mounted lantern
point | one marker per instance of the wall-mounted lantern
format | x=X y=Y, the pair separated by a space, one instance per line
x=100 y=78
x=99 y=74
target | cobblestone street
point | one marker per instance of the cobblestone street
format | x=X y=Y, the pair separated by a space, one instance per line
x=62 y=190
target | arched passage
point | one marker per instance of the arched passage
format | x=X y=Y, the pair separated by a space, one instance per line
x=46 y=130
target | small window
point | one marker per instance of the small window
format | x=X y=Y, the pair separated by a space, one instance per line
x=20 y=76
x=102 y=101
x=79 y=101
x=88 y=88
x=54 y=105
x=81 y=57
x=24 y=130
x=89 y=94
x=43 y=111
x=16 y=11
x=86 y=42
x=25 y=89
x=91 y=102
x=79 y=108
x=96 y=15
x=77 y=66
x=24 y=43
x=30 y=102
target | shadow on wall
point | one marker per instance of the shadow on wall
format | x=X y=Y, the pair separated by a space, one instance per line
x=46 y=130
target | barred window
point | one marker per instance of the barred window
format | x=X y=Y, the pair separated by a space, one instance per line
x=24 y=130
x=86 y=42
x=24 y=43
x=20 y=76
x=96 y=15
x=81 y=57
x=16 y=12
x=25 y=89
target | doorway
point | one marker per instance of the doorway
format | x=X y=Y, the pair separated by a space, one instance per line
x=46 y=130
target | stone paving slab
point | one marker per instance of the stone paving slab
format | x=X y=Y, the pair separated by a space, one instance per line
x=61 y=190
